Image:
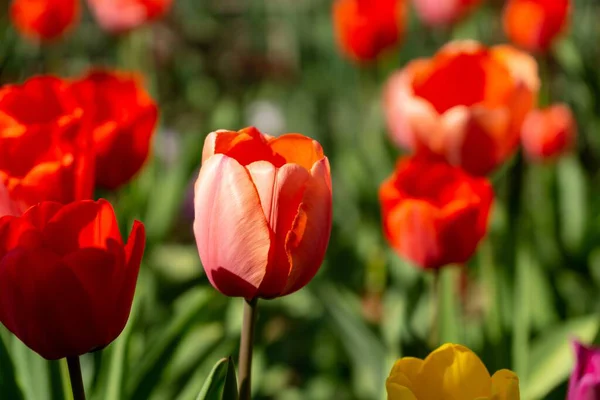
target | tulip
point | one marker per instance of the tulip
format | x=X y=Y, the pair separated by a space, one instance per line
x=585 y=379
x=66 y=278
x=466 y=104
x=121 y=117
x=262 y=212
x=36 y=168
x=535 y=24
x=450 y=372
x=434 y=214
x=43 y=105
x=118 y=16
x=549 y=132
x=366 y=28
x=443 y=12
x=44 y=19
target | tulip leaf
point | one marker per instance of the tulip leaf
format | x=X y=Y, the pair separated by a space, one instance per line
x=8 y=382
x=552 y=358
x=221 y=382
x=146 y=376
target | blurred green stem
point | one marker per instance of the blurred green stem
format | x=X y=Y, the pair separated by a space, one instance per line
x=246 y=342
x=76 y=378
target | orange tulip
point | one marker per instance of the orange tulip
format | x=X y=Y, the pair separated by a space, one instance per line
x=121 y=117
x=434 y=214
x=119 y=16
x=262 y=212
x=366 y=28
x=66 y=278
x=466 y=104
x=44 y=19
x=443 y=12
x=42 y=154
x=535 y=24
x=548 y=133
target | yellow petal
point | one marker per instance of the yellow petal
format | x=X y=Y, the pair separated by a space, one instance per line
x=399 y=392
x=452 y=372
x=405 y=371
x=505 y=385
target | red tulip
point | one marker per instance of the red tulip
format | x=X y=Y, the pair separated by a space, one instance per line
x=66 y=278
x=44 y=19
x=263 y=212
x=42 y=105
x=366 y=28
x=535 y=24
x=121 y=117
x=466 y=104
x=43 y=157
x=434 y=214
x=443 y=12
x=548 y=133
x=119 y=16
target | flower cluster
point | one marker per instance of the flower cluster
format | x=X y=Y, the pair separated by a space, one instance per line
x=64 y=268
x=49 y=20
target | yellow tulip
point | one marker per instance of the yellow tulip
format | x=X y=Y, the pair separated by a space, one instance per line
x=452 y=372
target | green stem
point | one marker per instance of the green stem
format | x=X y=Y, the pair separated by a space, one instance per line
x=246 y=342
x=76 y=378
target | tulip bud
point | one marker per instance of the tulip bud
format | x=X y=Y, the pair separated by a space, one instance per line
x=262 y=212
x=66 y=278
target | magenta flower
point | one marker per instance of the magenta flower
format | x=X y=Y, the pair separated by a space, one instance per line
x=585 y=379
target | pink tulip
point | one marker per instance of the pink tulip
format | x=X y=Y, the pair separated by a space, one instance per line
x=262 y=212
x=117 y=16
x=585 y=379
x=443 y=12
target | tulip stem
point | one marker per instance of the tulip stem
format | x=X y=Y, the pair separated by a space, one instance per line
x=76 y=379
x=246 y=342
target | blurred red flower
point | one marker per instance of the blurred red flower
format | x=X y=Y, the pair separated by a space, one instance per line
x=44 y=19
x=466 y=104
x=534 y=24
x=262 y=212
x=66 y=278
x=42 y=154
x=443 y=12
x=366 y=28
x=549 y=132
x=434 y=214
x=121 y=116
x=119 y=16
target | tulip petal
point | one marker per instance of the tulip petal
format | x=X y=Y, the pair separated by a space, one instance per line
x=505 y=385
x=297 y=149
x=405 y=371
x=17 y=232
x=83 y=224
x=134 y=251
x=245 y=146
x=307 y=241
x=99 y=275
x=412 y=231
x=231 y=231
x=40 y=214
x=463 y=375
x=398 y=392
x=280 y=190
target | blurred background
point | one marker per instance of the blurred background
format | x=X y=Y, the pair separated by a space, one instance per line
x=274 y=64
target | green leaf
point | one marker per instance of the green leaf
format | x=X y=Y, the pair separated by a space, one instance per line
x=8 y=382
x=221 y=382
x=552 y=358
x=148 y=371
x=366 y=350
